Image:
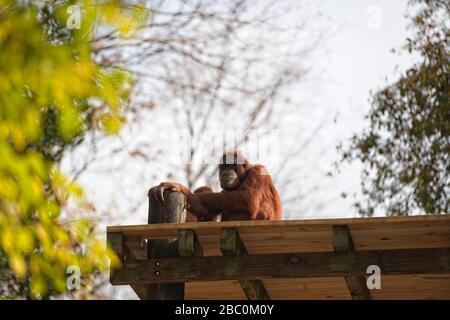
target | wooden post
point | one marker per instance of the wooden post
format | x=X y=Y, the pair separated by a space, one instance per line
x=343 y=242
x=115 y=240
x=188 y=244
x=172 y=210
x=231 y=245
x=134 y=251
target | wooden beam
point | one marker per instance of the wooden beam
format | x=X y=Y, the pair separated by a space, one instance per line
x=137 y=247
x=117 y=244
x=170 y=230
x=172 y=210
x=133 y=252
x=343 y=242
x=188 y=244
x=294 y=265
x=342 y=239
x=116 y=241
x=231 y=245
x=411 y=261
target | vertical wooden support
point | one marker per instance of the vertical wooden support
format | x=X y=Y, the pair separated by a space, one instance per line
x=136 y=247
x=231 y=244
x=172 y=210
x=117 y=244
x=342 y=242
x=188 y=244
x=135 y=250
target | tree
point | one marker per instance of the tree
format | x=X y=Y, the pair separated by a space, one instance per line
x=203 y=68
x=406 y=149
x=52 y=94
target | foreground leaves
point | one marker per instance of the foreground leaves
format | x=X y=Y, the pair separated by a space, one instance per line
x=51 y=94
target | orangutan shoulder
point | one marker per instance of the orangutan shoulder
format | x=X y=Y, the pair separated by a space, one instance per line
x=258 y=174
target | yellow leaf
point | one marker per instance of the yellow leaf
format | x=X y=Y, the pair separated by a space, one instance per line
x=75 y=190
x=113 y=258
x=69 y=122
x=38 y=286
x=24 y=240
x=111 y=124
x=42 y=234
x=17 y=263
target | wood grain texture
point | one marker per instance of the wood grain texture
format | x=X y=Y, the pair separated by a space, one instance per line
x=231 y=245
x=172 y=210
x=188 y=244
x=299 y=265
x=343 y=242
x=214 y=290
x=414 y=286
x=133 y=251
x=315 y=236
x=310 y=224
x=404 y=287
x=310 y=235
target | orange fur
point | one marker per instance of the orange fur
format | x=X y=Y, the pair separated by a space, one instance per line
x=189 y=216
x=255 y=198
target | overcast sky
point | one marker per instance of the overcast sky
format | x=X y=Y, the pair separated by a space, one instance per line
x=358 y=59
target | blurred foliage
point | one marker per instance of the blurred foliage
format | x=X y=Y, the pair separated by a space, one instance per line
x=406 y=149
x=51 y=94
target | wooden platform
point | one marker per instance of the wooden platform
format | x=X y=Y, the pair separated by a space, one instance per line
x=296 y=259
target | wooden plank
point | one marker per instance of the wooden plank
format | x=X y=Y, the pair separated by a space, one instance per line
x=231 y=245
x=269 y=242
x=116 y=241
x=188 y=244
x=326 y=288
x=342 y=239
x=169 y=230
x=117 y=244
x=223 y=290
x=133 y=252
x=342 y=242
x=409 y=287
x=297 y=265
x=136 y=246
x=139 y=289
x=414 y=286
x=432 y=234
x=262 y=237
x=304 y=236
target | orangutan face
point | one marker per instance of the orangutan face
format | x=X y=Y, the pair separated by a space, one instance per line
x=229 y=178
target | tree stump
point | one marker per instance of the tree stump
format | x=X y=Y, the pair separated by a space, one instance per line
x=172 y=210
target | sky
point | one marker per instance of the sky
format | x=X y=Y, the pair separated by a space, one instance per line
x=357 y=60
